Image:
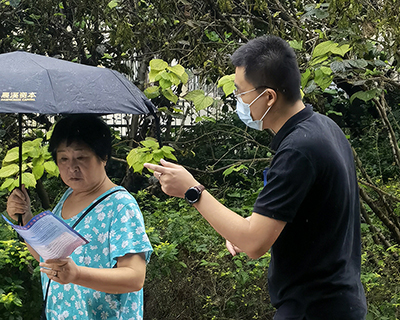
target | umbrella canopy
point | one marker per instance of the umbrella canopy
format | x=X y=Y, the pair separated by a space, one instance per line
x=31 y=83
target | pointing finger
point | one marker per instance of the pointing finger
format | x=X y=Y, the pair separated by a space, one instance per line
x=169 y=164
x=154 y=167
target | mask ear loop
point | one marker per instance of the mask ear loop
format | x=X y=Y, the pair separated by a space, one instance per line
x=257 y=97
x=265 y=113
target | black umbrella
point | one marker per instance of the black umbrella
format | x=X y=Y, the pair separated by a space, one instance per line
x=31 y=83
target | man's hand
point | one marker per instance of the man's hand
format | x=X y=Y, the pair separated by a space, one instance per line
x=233 y=250
x=175 y=180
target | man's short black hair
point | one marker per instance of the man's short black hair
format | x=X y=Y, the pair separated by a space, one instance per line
x=82 y=128
x=269 y=61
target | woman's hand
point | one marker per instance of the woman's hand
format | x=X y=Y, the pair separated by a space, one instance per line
x=19 y=203
x=128 y=276
x=62 y=271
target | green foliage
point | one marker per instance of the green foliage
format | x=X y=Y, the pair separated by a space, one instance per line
x=170 y=80
x=339 y=63
x=380 y=277
x=191 y=274
x=166 y=76
x=20 y=289
x=199 y=99
x=227 y=83
x=150 y=152
x=36 y=161
x=365 y=95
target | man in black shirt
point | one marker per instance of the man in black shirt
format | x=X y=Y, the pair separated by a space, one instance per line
x=308 y=211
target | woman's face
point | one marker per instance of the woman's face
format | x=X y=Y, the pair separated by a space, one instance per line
x=80 y=168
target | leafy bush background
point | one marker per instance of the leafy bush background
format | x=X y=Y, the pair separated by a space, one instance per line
x=191 y=275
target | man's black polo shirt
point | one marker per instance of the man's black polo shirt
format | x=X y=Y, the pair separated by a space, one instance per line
x=312 y=185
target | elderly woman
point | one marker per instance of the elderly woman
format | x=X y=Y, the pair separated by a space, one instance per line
x=104 y=278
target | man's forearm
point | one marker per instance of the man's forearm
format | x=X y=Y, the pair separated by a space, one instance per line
x=255 y=237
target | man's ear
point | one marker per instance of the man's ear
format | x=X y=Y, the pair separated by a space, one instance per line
x=272 y=97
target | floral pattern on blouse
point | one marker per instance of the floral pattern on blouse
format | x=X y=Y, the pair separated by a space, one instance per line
x=114 y=228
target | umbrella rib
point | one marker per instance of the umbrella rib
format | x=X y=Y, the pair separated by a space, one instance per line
x=127 y=88
x=48 y=75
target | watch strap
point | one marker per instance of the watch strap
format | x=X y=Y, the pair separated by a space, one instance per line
x=200 y=188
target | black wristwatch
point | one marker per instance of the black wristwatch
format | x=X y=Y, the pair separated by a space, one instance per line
x=194 y=193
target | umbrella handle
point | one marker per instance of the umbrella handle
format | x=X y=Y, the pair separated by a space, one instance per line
x=20 y=223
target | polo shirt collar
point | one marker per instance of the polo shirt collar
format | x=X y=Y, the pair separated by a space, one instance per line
x=289 y=125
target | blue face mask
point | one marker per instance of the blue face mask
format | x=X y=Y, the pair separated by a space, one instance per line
x=243 y=111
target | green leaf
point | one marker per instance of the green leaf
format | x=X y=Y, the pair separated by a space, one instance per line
x=51 y=168
x=342 y=50
x=162 y=75
x=228 y=171
x=158 y=155
x=338 y=66
x=328 y=47
x=326 y=70
x=167 y=149
x=12 y=155
x=358 y=63
x=226 y=79
x=152 y=92
x=150 y=143
x=167 y=152
x=164 y=84
x=212 y=36
x=38 y=171
x=311 y=87
x=297 y=45
x=38 y=161
x=184 y=78
x=174 y=79
x=204 y=118
x=107 y=56
x=177 y=69
x=236 y=168
x=153 y=75
x=318 y=60
x=229 y=88
x=49 y=133
x=200 y=100
x=7 y=184
x=170 y=95
x=28 y=179
x=334 y=112
x=365 y=95
x=304 y=78
x=9 y=170
x=322 y=79
x=158 y=64
x=324 y=48
x=380 y=63
x=112 y=4
x=176 y=110
x=28 y=22
x=133 y=157
x=227 y=83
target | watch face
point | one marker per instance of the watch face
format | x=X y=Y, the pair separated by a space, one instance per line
x=192 y=195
